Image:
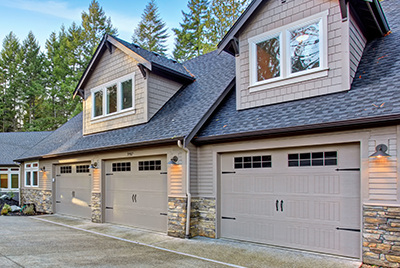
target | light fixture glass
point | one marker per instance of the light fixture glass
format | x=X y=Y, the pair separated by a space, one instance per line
x=302 y=38
x=380 y=151
x=174 y=160
x=93 y=165
x=43 y=169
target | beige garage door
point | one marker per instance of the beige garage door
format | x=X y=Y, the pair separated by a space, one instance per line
x=136 y=192
x=303 y=198
x=73 y=190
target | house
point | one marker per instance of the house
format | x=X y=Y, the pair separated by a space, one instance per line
x=271 y=139
x=12 y=145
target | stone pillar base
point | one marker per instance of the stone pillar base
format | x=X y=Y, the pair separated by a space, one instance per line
x=42 y=199
x=177 y=216
x=203 y=217
x=96 y=208
x=381 y=236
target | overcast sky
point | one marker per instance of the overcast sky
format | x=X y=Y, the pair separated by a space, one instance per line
x=43 y=17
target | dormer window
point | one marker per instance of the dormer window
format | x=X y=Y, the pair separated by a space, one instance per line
x=289 y=54
x=113 y=98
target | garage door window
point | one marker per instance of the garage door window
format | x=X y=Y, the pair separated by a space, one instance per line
x=123 y=166
x=82 y=169
x=66 y=169
x=263 y=161
x=312 y=159
x=149 y=165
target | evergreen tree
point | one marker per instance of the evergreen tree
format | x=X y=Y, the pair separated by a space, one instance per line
x=95 y=24
x=191 y=39
x=151 y=33
x=32 y=82
x=10 y=64
x=222 y=15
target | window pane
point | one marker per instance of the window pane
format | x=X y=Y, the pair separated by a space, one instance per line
x=127 y=101
x=304 y=48
x=98 y=103
x=14 y=180
x=28 y=178
x=35 y=178
x=112 y=99
x=4 y=180
x=268 y=59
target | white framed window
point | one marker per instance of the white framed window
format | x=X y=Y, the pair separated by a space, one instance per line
x=32 y=174
x=289 y=54
x=9 y=178
x=114 y=98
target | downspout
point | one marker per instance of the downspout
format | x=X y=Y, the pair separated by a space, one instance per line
x=189 y=196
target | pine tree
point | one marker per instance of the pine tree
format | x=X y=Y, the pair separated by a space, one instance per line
x=222 y=15
x=10 y=64
x=32 y=82
x=191 y=39
x=151 y=33
x=95 y=24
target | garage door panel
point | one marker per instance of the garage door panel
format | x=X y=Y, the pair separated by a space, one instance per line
x=303 y=205
x=136 y=197
x=73 y=191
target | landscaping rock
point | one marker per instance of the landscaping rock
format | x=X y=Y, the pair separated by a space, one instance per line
x=5 y=197
x=15 y=208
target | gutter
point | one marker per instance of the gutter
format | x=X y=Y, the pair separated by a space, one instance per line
x=189 y=196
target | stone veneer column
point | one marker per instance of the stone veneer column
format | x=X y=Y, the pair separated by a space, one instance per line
x=96 y=207
x=381 y=236
x=177 y=216
x=203 y=217
x=41 y=198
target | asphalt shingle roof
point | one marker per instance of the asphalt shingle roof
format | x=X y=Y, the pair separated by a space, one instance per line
x=375 y=92
x=177 y=118
x=13 y=144
x=152 y=57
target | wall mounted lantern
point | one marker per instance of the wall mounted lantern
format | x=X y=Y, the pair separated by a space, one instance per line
x=93 y=166
x=380 y=151
x=43 y=169
x=174 y=161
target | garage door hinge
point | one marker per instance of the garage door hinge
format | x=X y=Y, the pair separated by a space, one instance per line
x=58 y=202
x=228 y=172
x=109 y=208
x=58 y=175
x=163 y=214
x=108 y=174
x=163 y=172
x=347 y=229
x=228 y=218
x=347 y=169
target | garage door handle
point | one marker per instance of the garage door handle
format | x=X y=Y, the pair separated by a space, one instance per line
x=347 y=169
x=348 y=229
x=277 y=205
x=163 y=214
x=109 y=208
x=228 y=218
x=58 y=202
x=281 y=205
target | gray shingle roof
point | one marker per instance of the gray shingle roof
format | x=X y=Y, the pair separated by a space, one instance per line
x=177 y=118
x=378 y=86
x=152 y=57
x=13 y=144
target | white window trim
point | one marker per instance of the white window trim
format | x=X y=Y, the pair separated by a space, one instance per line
x=286 y=77
x=10 y=172
x=119 y=112
x=31 y=170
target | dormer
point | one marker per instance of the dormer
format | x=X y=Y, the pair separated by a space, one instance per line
x=125 y=85
x=290 y=50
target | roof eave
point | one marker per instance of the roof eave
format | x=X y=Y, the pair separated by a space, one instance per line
x=107 y=148
x=304 y=129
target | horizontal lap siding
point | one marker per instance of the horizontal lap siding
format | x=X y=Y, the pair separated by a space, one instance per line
x=383 y=182
x=357 y=45
x=204 y=184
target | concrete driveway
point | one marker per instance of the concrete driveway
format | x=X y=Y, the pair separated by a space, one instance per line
x=60 y=241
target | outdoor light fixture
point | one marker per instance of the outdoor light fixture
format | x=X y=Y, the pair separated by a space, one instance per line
x=174 y=160
x=380 y=151
x=93 y=166
x=43 y=169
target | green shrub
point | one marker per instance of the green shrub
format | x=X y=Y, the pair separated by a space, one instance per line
x=6 y=208
x=29 y=210
x=11 y=194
